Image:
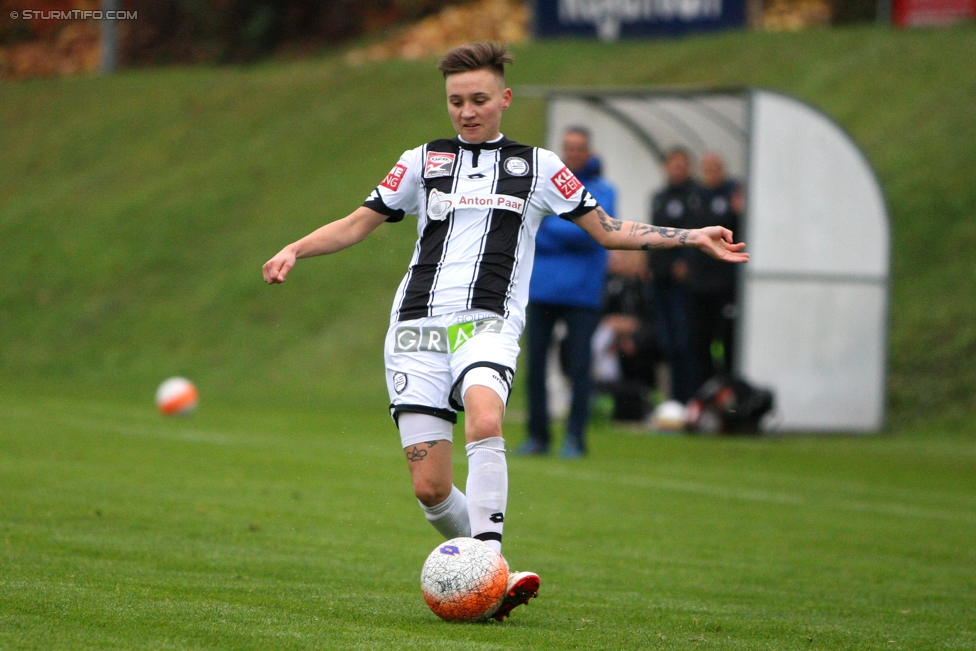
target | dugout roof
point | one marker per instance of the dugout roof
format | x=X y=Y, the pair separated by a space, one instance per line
x=814 y=298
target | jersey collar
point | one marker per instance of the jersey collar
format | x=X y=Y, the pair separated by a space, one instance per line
x=497 y=143
x=476 y=149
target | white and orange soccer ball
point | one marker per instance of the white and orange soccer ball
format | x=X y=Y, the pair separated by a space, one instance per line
x=176 y=397
x=464 y=580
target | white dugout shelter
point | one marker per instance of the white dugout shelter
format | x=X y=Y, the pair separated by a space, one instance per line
x=814 y=297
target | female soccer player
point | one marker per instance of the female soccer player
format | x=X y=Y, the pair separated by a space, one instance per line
x=456 y=320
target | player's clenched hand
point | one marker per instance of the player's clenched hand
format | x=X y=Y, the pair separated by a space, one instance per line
x=717 y=242
x=276 y=269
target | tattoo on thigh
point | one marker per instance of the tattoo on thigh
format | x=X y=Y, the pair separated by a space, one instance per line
x=431 y=444
x=415 y=454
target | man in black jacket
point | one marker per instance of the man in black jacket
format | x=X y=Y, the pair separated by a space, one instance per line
x=676 y=206
x=712 y=287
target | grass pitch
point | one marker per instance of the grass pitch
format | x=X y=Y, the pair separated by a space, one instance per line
x=135 y=212
x=254 y=528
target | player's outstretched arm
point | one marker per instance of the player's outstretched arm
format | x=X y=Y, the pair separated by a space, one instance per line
x=612 y=233
x=334 y=236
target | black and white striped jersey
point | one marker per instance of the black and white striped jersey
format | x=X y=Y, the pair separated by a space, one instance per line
x=478 y=209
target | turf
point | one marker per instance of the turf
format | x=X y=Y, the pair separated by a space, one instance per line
x=135 y=212
x=256 y=528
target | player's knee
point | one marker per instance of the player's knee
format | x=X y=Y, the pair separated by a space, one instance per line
x=483 y=425
x=431 y=493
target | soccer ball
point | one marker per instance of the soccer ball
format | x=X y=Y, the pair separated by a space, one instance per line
x=176 y=396
x=464 y=580
x=670 y=416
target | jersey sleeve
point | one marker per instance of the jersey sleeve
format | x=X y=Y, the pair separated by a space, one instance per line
x=398 y=194
x=562 y=193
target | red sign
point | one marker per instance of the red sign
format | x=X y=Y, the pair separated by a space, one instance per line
x=914 y=13
x=393 y=179
x=567 y=182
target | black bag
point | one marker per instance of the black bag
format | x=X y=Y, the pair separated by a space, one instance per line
x=728 y=405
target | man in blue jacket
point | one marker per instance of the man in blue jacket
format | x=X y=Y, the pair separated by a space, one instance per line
x=567 y=285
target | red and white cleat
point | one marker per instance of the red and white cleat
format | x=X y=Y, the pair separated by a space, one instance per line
x=522 y=586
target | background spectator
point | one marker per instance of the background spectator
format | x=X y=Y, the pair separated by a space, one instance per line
x=626 y=349
x=676 y=206
x=567 y=285
x=711 y=284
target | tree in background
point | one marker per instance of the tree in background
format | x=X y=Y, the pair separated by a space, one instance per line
x=246 y=30
x=35 y=47
x=190 y=31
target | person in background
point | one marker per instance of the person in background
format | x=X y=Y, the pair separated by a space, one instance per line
x=711 y=287
x=676 y=206
x=567 y=285
x=625 y=346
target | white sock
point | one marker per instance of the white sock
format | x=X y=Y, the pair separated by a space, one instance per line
x=487 y=489
x=450 y=517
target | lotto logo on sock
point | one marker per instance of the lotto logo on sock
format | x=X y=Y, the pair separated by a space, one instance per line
x=450 y=550
x=497 y=517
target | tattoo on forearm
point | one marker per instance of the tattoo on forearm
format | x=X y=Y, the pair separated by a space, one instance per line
x=640 y=230
x=416 y=454
x=609 y=223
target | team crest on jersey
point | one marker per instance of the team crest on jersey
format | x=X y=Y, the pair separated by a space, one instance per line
x=399 y=382
x=392 y=180
x=675 y=209
x=516 y=166
x=566 y=182
x=438 y=164
x=719 y=205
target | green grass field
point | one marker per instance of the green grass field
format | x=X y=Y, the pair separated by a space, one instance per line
x=263 y=528
x=135 y=212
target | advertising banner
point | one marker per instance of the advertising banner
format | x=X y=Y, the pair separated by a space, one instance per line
x=613 y=19
x=917 y=13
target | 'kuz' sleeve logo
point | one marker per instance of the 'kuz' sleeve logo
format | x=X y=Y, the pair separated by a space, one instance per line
x=566 y=182
x=393 y=179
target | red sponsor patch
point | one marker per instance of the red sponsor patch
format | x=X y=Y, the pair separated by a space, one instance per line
x=392 y=180
x=567 y=182
x=438 y=164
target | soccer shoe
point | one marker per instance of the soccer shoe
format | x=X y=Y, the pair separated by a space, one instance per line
x=522 y=586
x=532 y=448
x=572 y=448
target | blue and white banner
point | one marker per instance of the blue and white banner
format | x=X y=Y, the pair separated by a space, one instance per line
x=613 y=19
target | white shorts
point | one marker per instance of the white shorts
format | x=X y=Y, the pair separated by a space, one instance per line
x=427 y=359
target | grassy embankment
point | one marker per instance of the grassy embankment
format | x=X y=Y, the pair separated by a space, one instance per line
x=134 y=215
x=135 y=211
